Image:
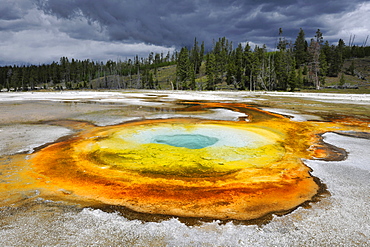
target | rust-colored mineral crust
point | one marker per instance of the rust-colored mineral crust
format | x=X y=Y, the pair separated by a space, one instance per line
x=189 y=167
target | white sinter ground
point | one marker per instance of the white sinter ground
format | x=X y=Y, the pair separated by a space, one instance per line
x=341 y=219
x=21 y=138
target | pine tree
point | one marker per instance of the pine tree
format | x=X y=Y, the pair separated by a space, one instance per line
x=292 y=80
x=335 y=59
x=201 y=54
x=342 y=81
x=283 y=43
x=183 y=69
x=248 y=61
x=211 y=71
x=300 y=49
x=231 y=74
x=324 y=67
x=299 y=79
x=195 y=57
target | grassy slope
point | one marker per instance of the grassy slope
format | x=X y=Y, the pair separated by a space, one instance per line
x=166 y=77
x=362 y=66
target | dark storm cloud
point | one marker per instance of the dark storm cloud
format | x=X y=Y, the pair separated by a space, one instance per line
x=43 y=30
x=10 y=11
x=178 y=22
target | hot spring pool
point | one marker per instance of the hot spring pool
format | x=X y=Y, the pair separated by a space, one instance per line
x=132 y=170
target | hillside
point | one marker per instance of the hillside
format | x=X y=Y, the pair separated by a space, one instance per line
x=164 y=75
x=354 y=77
x=356 y=73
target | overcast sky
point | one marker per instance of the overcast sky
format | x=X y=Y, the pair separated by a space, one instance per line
x=42 y=31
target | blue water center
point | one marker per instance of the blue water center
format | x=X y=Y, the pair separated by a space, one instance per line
x=191 y=141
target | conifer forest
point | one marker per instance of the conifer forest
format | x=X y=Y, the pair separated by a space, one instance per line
x=293 y=65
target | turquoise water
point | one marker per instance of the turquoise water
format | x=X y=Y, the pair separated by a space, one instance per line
x=191 y=141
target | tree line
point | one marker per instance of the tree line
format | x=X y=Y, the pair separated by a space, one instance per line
x=78 y=74
x=293 y=65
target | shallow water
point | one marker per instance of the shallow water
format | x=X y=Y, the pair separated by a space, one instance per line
x=28 y=218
